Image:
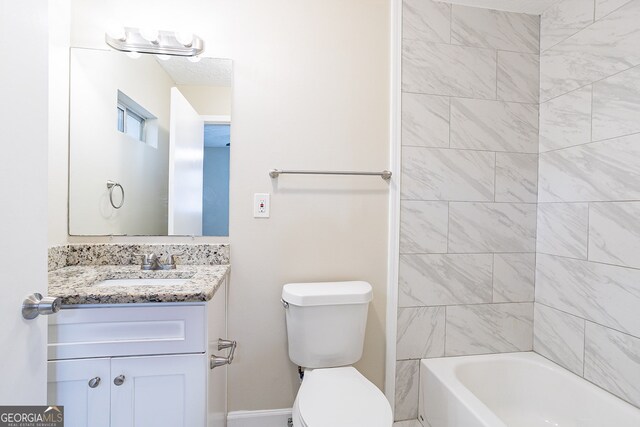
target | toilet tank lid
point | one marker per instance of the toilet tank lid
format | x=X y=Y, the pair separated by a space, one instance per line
x=327 y=293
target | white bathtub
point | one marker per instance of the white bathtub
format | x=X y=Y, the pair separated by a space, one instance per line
x=514 y=390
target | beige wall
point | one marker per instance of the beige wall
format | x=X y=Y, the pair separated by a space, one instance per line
x=58 y=122
x=310 y=91
x=208 y=100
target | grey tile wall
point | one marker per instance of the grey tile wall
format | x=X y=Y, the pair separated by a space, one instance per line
x=606 y=47
x=470 y=85
x=587 y=311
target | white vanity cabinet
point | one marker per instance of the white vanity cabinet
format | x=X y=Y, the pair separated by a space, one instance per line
x=142 y=365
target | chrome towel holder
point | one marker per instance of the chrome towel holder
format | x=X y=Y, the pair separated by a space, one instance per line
x=275 y=173
x=111 y=185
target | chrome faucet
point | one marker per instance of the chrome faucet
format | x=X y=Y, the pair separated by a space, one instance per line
x=152 y=261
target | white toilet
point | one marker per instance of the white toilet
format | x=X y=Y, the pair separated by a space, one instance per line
x=325 y=326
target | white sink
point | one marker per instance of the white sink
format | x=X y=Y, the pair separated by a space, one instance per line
x=142 y=282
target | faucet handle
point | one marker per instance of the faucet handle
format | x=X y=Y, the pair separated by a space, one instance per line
x=170 y=258
x=145 y=257
x=148 y=260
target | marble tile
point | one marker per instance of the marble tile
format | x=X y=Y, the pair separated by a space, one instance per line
x=602 y=49
x=564 y=19
x=407 y=386
x=612 y=361
x=494 y=125
x=443 y=174
x=492 y=227
x=559 y=337
x=407 y=423
x=441 y=279
x=495 y=29
x=442 y=69
x=614 y=233
x=420 y=332
x=426 y=20
x=489 y=328
x=57 y=257
x=423 y=226
x=605 y=7
x=616 y=105
x=600 y=171
x=425 y=120
x=518 y=77
x=514 y=277
x=563 y=229
x=566 y=120
x=516 y=177
x=605 y=294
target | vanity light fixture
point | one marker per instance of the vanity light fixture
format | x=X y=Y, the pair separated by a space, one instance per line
x=155 y=42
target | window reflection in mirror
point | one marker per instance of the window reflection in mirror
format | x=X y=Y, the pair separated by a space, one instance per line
x=159 y=128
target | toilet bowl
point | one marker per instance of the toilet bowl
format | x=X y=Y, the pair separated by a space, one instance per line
x=325 y=328
x=340 y=397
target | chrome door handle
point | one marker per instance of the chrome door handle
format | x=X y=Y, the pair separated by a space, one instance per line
x=94 y=382
x=119 y=380
x=217 y=361
x=35 y=305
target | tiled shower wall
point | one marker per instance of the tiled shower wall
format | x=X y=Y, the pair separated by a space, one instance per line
x=470 y=85
x=587 y=312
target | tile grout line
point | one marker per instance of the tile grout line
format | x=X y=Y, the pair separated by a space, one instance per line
x=415 y=92
x=591 y=83
x=612 y=139
x=588 y=228
x=586 y=320
x=591 y=116
x=584 y=345
x=590 y=261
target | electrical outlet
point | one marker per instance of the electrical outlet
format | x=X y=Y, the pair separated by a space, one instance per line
x=261 y=205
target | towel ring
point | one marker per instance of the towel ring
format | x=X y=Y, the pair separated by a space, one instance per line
x=111 y=185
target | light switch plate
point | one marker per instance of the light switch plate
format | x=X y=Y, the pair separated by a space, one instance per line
x=261 y=205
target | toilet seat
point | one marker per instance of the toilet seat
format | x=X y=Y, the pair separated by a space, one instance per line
x=340 y=397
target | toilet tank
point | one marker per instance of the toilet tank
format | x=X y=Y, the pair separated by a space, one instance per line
x=326 y=322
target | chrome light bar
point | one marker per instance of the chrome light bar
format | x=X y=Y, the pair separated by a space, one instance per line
x=155 y=42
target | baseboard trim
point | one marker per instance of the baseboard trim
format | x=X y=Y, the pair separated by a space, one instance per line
x=266 y=418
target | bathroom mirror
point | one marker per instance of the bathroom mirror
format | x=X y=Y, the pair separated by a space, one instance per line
x=149 y=144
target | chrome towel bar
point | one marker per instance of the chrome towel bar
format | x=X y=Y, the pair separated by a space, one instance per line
x=385 y=174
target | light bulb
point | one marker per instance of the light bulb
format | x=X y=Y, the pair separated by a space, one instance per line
x=117 y=33
x=185 y=39
x=163 y=57
x=150 y=35
x=134 y=55
x=195 y=58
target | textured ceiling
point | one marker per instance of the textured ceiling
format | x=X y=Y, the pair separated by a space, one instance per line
x=535 y=7
x=206 y=72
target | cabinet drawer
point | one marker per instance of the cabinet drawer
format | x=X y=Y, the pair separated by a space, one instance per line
x=127 y=331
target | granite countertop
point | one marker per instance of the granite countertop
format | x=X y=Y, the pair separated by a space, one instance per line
x=77 y=284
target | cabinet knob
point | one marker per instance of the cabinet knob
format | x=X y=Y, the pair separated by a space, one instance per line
x=94 y=382
x=119 y=380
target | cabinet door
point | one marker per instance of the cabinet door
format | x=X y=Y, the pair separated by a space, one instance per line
x=69 y=385
x=159 y=391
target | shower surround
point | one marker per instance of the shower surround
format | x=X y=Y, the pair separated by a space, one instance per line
x=470 y=81
x=587 y=311
x=507 y=216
